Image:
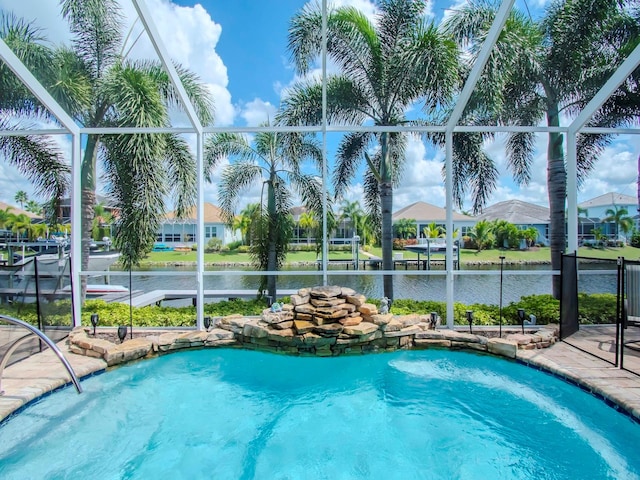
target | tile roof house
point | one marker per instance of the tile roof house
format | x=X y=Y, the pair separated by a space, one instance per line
x=522 y=215
x=18 y=211
x=184 y=230
x=598 y=206
x=596 y=209
x=425 y=213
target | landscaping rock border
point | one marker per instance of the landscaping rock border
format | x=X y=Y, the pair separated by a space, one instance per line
x=320 y=321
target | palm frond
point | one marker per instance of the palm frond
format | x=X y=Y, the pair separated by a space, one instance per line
x=371 y=195
x=134 y=97
x=96 y=26
x=309 y=187
x=225 y=145
x=235 y=178
x=346 y=102
x=473 y=170
x=27 y=43
x=198 y=93
x=349 y=155
x=39 y=159
x=136 y=180
x=181 y=173
x=71 y=86
x=426 y=68
x=520 y=149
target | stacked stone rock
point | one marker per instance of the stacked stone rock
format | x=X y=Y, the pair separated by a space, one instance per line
x=329 y=320
x=322 y=321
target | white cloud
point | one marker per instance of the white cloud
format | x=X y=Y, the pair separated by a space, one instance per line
x=257 y=112
x=190 y=36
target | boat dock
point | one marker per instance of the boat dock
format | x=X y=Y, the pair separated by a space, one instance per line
x=158 y=296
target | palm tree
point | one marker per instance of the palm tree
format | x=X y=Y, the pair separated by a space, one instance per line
x=620 y=217
x=530 y=235
x=405 y=228
x=38 y=158
x=22 y=198
x=352 y=211
x=433 y=231
x=243 y=221
x=385 y=67
x=100 y=87
x=482 y=234
x=101 y=220
x=5 y=216
x=33 y=207
x=542 y=70
x=275 y=160
x=308 y=222
x=19 y=223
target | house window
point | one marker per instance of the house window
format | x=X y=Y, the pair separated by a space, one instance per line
x=210 y=232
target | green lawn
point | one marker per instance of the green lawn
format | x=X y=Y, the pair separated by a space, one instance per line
x=536 y=255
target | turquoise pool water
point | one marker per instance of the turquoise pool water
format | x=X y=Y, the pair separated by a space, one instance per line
x=232 y=414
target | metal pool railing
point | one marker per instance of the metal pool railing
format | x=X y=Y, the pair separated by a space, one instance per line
x=34 y=332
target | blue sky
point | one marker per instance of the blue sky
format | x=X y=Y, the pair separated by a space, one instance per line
x=238 y=47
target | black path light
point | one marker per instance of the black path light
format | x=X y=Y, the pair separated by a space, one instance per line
x=501 y=270
x=95 y=318
x=122 y=332
x=434 y=319
x=207 y=323
x=470 y=319
x=521 y=317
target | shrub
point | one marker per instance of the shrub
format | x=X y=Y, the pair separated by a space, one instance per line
x=399 y=243
x=634 y=241
x=468 y=242
x=243 y=249
x=593 y=309
x=234 y=245
x=213 y=245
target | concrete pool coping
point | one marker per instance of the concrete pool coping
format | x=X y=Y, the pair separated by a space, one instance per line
x=40 y=374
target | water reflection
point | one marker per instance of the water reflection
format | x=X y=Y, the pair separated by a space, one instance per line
x=479 y=286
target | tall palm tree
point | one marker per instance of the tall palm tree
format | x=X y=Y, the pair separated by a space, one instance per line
x=243 y=222
x=22 y=198
x=352 y=212
x=275 y=160
x=100 y=87
x=385 y=67
x=308 y=222
x=541 y=70
x=620 y=217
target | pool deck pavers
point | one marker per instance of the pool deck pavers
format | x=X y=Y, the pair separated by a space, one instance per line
x=42 y=373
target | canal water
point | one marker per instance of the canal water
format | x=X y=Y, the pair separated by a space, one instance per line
x=478 y=285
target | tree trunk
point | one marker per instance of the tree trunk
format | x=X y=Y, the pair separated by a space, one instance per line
x=557 y=190
x=88 y=199
x=386 y=202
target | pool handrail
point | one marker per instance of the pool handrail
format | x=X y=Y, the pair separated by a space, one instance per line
x=34 y=331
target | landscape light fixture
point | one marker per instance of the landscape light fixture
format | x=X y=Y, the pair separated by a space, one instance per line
x=470 y=319
x=521 y=317
x=434 y=319
x=95 y=318
x=122 y=332
x=207 y=323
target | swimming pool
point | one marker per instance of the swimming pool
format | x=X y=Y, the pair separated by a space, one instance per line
x=233 y=414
